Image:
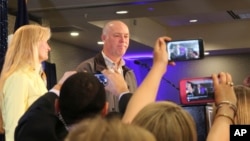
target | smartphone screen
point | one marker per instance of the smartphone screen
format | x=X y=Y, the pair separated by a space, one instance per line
x=101 y=78
x=196 y=90
x=182 y=50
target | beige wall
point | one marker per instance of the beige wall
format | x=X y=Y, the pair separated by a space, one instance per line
x=11 y=23
x=67 y=57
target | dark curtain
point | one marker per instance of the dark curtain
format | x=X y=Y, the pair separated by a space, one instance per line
x=22 y=17
x=3 y=38
x=50 y=71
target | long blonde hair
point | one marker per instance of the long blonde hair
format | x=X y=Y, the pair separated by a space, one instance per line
x=23 y=50
x=243 y=103
x=99 y=129
x=167 y=121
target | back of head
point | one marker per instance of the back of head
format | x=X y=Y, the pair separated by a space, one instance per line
x=81 y=96
x=167 y=121
x=243 y=104
x=99 y=129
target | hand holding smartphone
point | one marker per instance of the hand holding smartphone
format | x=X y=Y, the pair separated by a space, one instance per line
x=183 y=50
x=196 y=90
x=101 y=78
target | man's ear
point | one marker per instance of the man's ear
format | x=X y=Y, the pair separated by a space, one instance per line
x=56 y=105
x=103 y=37
x=105 y=109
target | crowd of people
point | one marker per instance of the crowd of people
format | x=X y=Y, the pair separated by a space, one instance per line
x=80 y=107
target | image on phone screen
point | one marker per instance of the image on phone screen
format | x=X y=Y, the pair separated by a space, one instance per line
x=182 y=50
x=101 y=78
x=198 y=91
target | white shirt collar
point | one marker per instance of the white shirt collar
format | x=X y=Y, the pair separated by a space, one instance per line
x=111 y=64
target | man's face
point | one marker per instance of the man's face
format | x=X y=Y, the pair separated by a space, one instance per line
x=116 y=41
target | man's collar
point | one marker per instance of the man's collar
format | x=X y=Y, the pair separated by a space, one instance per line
x=109 y=62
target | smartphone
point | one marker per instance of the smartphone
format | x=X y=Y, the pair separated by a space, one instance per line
x=183 y=50
x=196 y=90
x=101 y=78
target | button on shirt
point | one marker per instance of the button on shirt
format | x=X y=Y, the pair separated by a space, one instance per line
x=112 y=66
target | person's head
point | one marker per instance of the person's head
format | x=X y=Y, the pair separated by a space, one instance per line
x=190 y=52
x=243 y=103
x=189 y=87
x=246 y=81
x=116 y=39
x=167 y=121
x=28 y=45
x=99 y=129
x=81 y=96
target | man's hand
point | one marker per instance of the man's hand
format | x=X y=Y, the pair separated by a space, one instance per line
x=116 y=83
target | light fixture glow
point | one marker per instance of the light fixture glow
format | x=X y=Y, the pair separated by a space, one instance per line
x=138 y=56
x=193 y=21
x=74 y=34
x=122 y=12
x=206 y=53
x=100 y=42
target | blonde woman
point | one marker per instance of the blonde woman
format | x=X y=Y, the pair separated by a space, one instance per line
x=99 y=129
x=21 y=82
x=167 y=121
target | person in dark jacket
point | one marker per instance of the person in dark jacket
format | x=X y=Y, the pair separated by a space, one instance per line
x=51 y=117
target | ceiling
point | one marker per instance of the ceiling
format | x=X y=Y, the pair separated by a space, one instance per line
x=224 y=25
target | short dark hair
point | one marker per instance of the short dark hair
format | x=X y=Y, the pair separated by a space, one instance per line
x=81 y=96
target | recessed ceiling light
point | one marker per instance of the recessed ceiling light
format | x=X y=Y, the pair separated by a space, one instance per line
x=121 y=12
x=193 y=21
x=74 y=34
x=100 y=42
x=206 y=53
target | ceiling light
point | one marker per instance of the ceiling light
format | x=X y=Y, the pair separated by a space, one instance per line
x=206 y=53
x=100 y=42
x=244 y=16
x=193 y=21
x=121 y=12
x=74 y=34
